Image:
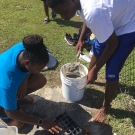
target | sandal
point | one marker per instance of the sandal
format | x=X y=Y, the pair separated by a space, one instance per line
x=68 y=38
x=85 y=57
x=46 y=20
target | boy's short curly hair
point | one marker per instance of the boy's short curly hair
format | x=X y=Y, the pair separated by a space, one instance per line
x=54 y=3
x=35 y=50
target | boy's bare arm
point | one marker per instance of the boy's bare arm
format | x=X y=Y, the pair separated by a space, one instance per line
x=85 y=30
x=112 y=44
x=48 y=125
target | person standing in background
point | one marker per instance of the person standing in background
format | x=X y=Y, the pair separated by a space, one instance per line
x=46 y=9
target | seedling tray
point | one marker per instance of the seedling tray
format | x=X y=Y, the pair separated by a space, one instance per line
x=67 y=124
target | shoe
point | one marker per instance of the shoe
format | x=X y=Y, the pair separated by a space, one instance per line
x=78 y=13
x=75 y=38
x=53 y=15
x=69 y=40
x=52 y=62
x=91 y=53
x=46 y=20
x=85 y=57
x=87 y=46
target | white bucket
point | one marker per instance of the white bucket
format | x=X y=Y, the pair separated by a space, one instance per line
x=73 y=88
x=8 y=130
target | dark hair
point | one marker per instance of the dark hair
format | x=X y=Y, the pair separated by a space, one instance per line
x=35 y=50
x=54 y=3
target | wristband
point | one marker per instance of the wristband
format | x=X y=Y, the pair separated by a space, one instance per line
x=40 y=123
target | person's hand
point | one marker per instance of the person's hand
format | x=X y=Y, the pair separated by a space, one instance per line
x=79 y=46
x=92 y=76
x=22 y=91
x=51 y=126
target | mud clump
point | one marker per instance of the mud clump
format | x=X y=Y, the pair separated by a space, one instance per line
x=73 y=70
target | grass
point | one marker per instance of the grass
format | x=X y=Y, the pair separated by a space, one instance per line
x=21 y=18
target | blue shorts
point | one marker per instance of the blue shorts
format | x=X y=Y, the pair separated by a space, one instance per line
x=116 y=62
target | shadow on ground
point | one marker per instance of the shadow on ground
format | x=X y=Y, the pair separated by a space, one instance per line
x=99 y=83
x=123 y=114
x=94 y=98
x=130 y=90
x=48 y=109
x=70 y=23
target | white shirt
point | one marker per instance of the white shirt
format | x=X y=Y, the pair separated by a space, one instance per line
x=105 y=16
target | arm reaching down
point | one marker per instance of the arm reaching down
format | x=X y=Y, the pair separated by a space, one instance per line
x=112 y=44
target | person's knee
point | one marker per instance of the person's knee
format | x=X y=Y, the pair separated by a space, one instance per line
x=35 y=82
x=42 y=81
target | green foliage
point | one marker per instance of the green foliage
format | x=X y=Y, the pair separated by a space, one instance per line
x=127 y=75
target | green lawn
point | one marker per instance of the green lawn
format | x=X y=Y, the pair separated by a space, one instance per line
x=21 y=18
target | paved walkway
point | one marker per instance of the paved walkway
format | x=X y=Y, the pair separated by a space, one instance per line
x=50 y=103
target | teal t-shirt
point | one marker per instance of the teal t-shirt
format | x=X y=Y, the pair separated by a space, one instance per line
x=10 y=76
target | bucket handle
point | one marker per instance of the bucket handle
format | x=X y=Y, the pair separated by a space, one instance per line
x=68 y=82
x=76 y=87
x=71 y=84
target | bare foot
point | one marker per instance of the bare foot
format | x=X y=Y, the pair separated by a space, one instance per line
x=101 y=115
x=27 y=100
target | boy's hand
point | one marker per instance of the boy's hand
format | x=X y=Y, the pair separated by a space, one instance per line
x=92 y=76
x=79 y=46
x=51 y=126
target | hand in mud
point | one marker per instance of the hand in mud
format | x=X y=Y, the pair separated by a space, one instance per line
x=51 y=126
x=101 y=115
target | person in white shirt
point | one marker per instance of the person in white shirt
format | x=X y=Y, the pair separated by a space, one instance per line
x=113 y=24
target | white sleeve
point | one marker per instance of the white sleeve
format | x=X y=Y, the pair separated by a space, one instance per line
x=102 y=28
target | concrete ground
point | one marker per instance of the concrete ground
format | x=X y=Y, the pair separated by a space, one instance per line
x=50 y=103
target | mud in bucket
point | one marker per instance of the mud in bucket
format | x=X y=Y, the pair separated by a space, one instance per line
x=73 y=77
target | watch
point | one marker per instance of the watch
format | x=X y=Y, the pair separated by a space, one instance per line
x=40 y=123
